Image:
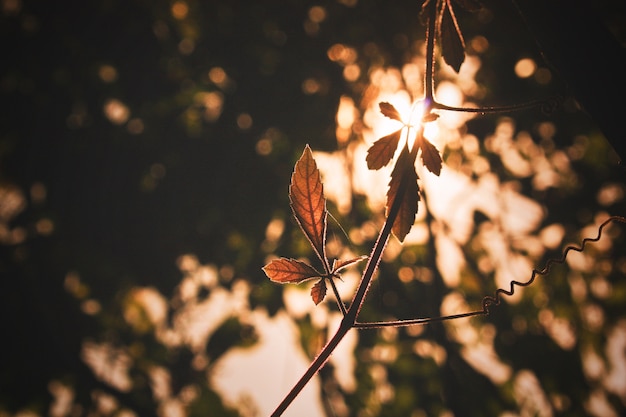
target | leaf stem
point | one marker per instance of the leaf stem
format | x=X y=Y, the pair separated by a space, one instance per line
x=349 y=318
x=430 y=52
x=340 y=303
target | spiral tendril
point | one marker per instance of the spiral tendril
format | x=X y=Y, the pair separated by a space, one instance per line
x=489 y=301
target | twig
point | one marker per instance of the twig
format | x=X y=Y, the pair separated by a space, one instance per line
x=349 y=319
x=548 y=105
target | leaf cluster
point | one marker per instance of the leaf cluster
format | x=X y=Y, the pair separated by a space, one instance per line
x=403 y=177
x=448 y=31
x=308 y=204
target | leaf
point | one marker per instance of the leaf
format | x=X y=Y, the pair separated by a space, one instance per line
x=404 y=170
x=430 y=117
x=430 y=156
x=306 y=194
x=339 y=265
x=318 y=292
x=388 y=110
x=381 y=151
x=452 y=43
x=285 y=270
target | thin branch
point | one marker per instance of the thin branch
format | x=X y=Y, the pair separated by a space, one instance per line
x=548 y=105
x=314 y=367
x=418 y=321
x=383 y=237
x=349 y=318
x=430 y=52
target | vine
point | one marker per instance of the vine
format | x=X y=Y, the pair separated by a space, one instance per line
x=308 y=204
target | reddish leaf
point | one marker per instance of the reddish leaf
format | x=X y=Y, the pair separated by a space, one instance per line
x=318 y=292
x=339 y=265
x=389 y=111
x=285 y=270
x=381 y=151
x=408 y=205
x=306 y=194
x=452 y=43
x=430 y=156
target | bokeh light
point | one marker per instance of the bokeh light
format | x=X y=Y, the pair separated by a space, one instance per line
x=116 y=111
x=145 y=173
x=525 y=68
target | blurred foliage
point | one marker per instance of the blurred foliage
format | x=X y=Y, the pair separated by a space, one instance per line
x=142 y=141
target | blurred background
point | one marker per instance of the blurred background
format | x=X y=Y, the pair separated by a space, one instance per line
x=145 y=156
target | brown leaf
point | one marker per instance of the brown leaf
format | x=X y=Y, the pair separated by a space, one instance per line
x=306 y=194
x=430 y=117
x=389 y=111
x=339 y=265
x=318 y=292
x=430 y=156
x=285 y=270
x=452 y=43
x=408 y=205
x=381 y=151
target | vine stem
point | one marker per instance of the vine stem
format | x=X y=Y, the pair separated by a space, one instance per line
x=429 y=77
x=430 y=54
x=548 y=105
x=314 y=367
x=349 y=319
